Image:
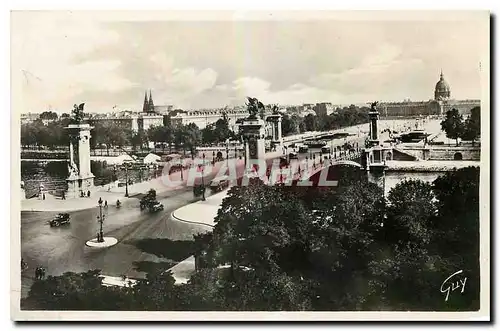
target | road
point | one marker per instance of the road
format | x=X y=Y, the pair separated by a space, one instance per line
x=63 y=249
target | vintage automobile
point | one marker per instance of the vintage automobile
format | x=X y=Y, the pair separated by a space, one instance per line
x=156 y=207
x=60 y=219
x=303 y=149
x=293 y=155
x=326 y=149
x=219 y=184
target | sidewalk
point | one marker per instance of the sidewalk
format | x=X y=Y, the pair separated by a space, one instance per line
x=162 y=184
x=183 y=270
x=56 y=204
x=201 y=212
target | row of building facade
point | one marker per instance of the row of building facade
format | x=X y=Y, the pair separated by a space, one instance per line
x=152 y=115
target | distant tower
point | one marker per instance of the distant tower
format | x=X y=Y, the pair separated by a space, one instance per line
x=374 y=114
x=145 y=107
x=442 y=90
x=151 y=104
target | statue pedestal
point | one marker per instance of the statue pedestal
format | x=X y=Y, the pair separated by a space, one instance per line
x=253 y=130
x=80 y=177
x=276 y=136
x=77 y=185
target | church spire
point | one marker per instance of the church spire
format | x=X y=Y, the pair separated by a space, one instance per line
x=145 y=107
x=441 y=74
x=151 y=104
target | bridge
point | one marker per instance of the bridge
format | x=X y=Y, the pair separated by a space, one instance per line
x=312 y=168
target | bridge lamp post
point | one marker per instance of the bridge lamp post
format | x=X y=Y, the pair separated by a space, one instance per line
x=227 y=153
x=202 y=178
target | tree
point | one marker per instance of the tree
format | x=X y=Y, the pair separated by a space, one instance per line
x=410 y=213
x=453 y=124
x=48 y=115
x=77 y=291
x=290 y=124
x=310 y=122
x=188 y=136
x=111 y=134
x=472 y=125
x=217 y=132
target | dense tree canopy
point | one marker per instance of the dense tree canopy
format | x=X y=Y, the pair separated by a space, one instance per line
x=217 y=132
x=349 y=249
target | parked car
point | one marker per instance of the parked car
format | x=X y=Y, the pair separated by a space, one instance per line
x=219 y=184
x=293 y=155
x=60 y=219
x=326 y=149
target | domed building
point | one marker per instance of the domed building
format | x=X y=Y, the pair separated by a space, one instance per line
x=441 y=103
x=442 y=90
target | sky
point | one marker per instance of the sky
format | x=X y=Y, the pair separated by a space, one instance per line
x=59 y=59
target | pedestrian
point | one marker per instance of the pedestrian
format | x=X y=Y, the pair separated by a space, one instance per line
x=44 y=196
x=88 y=194
x=63 y=196
x=105 y=203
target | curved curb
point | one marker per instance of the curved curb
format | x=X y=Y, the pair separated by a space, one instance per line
x=190 y=222
x=108 y=242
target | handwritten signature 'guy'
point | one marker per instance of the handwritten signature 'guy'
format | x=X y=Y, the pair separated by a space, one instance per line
x=453 y=285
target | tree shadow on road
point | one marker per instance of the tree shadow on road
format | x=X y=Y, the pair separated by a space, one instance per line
x=153 y=267
x=176 y=250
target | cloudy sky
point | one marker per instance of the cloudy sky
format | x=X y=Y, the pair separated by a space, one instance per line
x=61 y=59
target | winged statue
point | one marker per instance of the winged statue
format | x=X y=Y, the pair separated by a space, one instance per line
x=78 y=113
x=254 y=106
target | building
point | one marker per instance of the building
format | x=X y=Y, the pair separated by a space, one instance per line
x=323 y=108
x=441 y=103
x=163 y=109
x=203 y=118
x=29 y=117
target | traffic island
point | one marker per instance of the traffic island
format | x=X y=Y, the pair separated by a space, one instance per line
x=107 y=242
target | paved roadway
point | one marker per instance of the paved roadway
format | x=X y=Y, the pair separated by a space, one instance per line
x=63 y=249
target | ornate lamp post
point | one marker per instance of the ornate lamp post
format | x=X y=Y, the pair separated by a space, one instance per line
x=182 y=168
x=125 y=167
x=202 y=178
x=100 y=219
x=227 y=153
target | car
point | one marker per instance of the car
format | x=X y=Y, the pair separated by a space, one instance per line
x=326 y=149
x=60 y=219
x=156 y=207
x=293 y=155
x=219 y=184
x=303 y=149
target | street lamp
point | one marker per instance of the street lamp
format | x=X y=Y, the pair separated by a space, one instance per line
x=126 y=179
x=202 y=178
x=100 y=219
x=182 y=168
